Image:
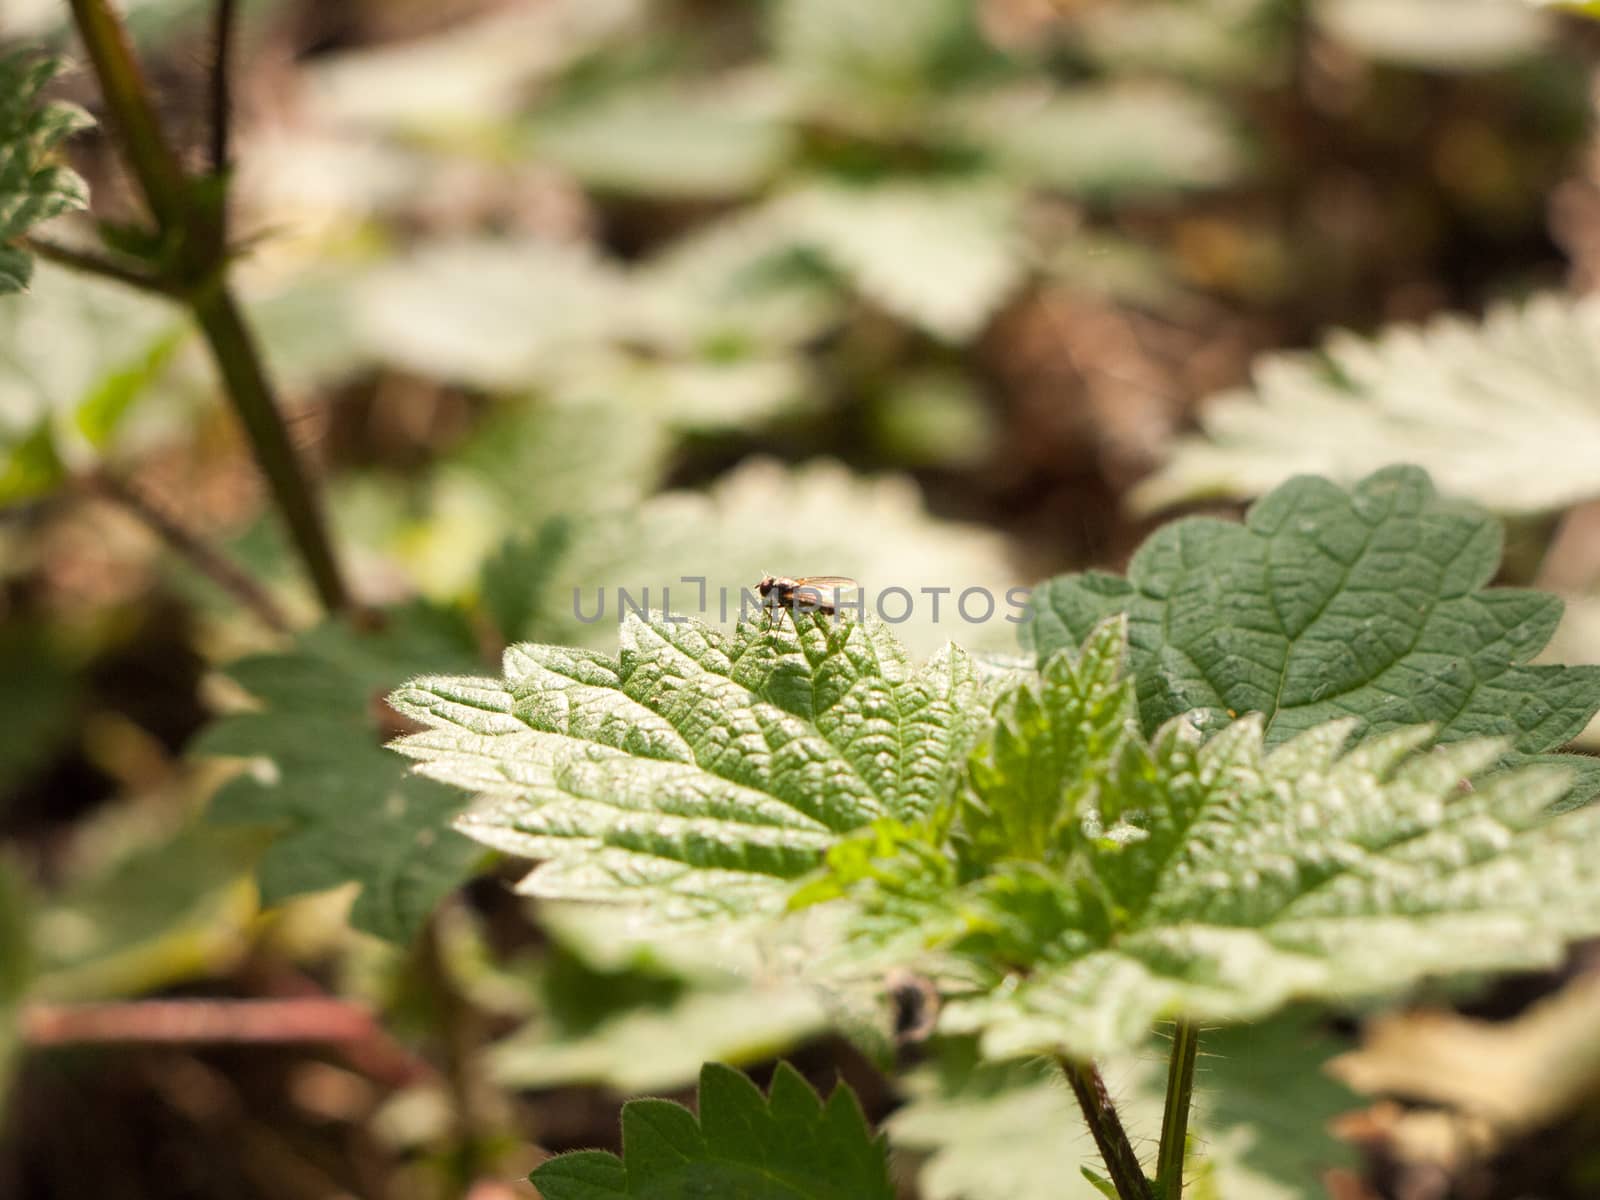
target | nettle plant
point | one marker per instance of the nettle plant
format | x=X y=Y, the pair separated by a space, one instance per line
x=1301 y=758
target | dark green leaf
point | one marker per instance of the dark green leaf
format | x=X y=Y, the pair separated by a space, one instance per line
x=788 y=1146
x=348 y=809
x=1370 y=604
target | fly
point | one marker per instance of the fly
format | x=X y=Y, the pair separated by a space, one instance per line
x=809 y=593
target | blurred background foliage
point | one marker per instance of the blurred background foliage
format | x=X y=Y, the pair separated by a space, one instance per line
x=595 y=293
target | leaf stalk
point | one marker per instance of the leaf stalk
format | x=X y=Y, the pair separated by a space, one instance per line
x=1175 y=1115
x=1122 y=1162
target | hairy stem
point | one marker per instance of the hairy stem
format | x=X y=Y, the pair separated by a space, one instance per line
x=1175 y=1117
x=1122 y=1164
x=244 y=373
x=205 y=558
x=131 y=112
x=221 y=83
x=197 y=272
x=91 y=262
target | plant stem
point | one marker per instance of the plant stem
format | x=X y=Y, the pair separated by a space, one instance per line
x=91 y=262
x=1122 y=1164
x=1175 y=1117
x=190 y=1021
x=221 y=85
x=197 y=272
x=205 y=557
x=127 y=98
x=244 y=373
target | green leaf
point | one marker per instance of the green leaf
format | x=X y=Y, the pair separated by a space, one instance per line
x=743 y=1146
x=661 y=1045
x=638 y=1008
x=348 y=811
x=1108 y=141
x=88 y=369
x=1440 y=35
x=762 y=516
x=853 y=55
x=33 y=187
x=1259 y=1125
x=1368 y=604
x=701 y=771
x=942 y=255
x=1502 y=411
x=146 y=906
x=1215 y=880
x=668 y=342
x=668 y=143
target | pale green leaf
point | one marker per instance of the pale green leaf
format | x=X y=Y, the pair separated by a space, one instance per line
x=942 y=255
x=1369 y=604
x=1504 y=411
x=1444 y=35
x=698 y=340
x=317 y=771
x=1108 y=140
x=891 y=57
x=34 y=187
x=637 y=1007
x=743 y=1146
x=489 y=312
x=144 y=906
x=667 y=143
x=657 y=1047
x=1258 y=1130
x=700 y=771
x=814 y=519
x=78 y=359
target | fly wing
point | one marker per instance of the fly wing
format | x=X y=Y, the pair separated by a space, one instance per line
x=827 y=583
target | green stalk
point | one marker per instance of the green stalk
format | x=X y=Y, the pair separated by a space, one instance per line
x=1175 y=1117
x=127 y=98
x=244 y=373
x=199 y=270
x=1122 y=1163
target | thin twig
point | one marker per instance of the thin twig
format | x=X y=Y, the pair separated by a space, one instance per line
x=206 y=558
x=1175 y=1117
x=92 y=262
x=321 y=1019
x=221 y=84
x=1122 y=1163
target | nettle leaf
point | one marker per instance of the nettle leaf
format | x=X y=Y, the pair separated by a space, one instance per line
x=1108 y=141
x=1440 y=35
x=79 y=359
x=743 y=1146
x=1258 y=1131
x=349 y=810
x=726 y=535
x=943 y=255
x=668 y=142
x=1215 y=880
x=1369 y=604
x=33 y=187
x=703 y=771
x=1503 y=411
